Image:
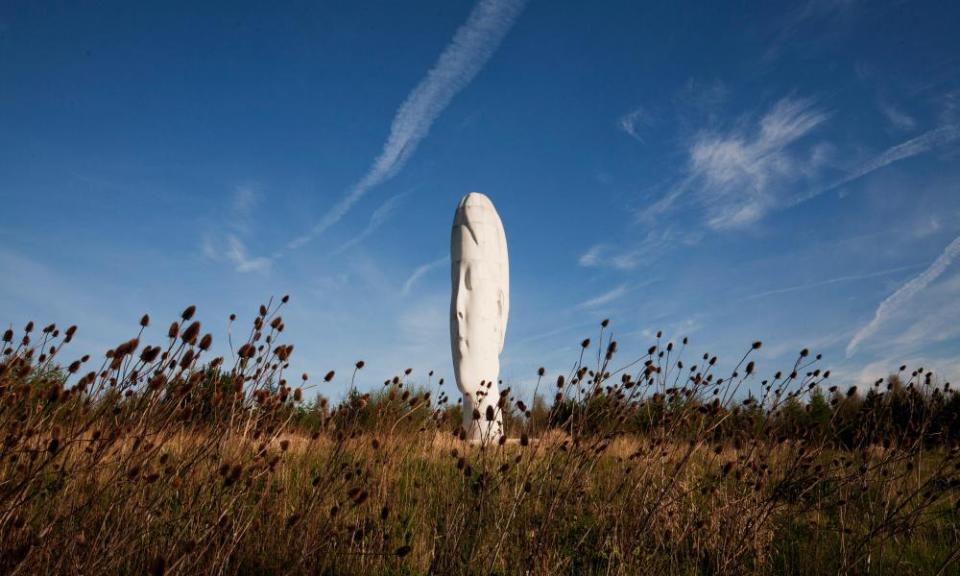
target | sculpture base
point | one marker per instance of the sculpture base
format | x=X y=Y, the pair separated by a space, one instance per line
x=483 y=430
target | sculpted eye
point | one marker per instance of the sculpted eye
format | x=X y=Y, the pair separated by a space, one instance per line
x=466 y=278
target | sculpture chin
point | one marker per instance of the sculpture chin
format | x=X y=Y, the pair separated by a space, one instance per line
x=479 y=306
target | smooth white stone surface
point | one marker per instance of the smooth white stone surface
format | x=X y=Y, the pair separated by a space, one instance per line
x=479 y=306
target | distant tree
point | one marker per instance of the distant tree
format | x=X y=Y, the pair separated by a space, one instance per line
x=820 y=412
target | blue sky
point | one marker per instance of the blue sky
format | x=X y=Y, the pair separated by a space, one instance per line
x=778 y=171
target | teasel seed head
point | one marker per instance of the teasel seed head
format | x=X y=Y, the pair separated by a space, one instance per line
x=149 y=354
x=191 y=333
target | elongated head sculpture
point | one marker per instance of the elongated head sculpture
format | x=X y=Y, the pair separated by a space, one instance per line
x=479 y=305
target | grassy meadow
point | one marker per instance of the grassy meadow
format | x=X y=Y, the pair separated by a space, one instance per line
x=160 y=459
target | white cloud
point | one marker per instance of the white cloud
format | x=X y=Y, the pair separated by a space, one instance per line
x=209 y=248
x=810 y=19
x=472 y=46
x=232 y=246
x=676 y=330
x=605 y=298
x=926 y=225
x=530 y=338
x=421 y=271
x=926 y=142
x=737 y=176
x=740 y=174
x=934 y=327
x=592 y=256
x=244 y=200
x=377 y=219
x=633 y=121
x=237 y=253
x=897 y=118
x=919 y=145
x=605 y=256
x=903 y=295
x=620 y=258
x=830 y=281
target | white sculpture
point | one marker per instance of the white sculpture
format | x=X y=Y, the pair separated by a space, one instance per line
x=479 y=306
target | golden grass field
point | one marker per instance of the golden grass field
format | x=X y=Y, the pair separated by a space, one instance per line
x=161 y=461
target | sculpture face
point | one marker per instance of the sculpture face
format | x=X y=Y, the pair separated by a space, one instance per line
x=479 y=307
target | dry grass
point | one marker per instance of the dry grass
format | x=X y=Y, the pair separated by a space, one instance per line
x=161 y=460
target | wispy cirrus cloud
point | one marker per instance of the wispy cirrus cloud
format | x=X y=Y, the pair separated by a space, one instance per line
x=734 y=177
x=811 y=15
x=242 y=205
x=606 y=256
x=230 y=244
x=897 y=117
x=831 y=281
x=377 y=219
x=421 y=271
x=922 y=144
x=627 y=258
x=904 y=294
x=237 y=253
x=605 y=298
x=471 y=47
x=633 y=122
x=739 y=175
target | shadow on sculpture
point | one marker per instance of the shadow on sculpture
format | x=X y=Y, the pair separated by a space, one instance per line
x=479 y=306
